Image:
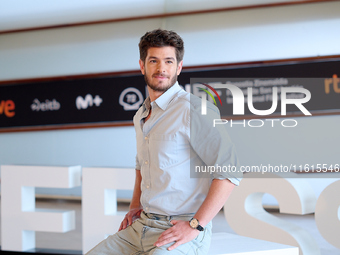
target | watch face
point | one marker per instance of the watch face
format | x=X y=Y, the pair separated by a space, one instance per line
x=194 y=223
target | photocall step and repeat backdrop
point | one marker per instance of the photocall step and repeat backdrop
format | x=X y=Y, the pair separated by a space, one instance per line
x=252 y=93
x=113 y=100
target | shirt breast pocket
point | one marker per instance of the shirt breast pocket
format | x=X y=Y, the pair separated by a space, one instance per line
x=163 y=150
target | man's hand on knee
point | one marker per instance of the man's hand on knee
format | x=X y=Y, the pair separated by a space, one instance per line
x=180 y=233
x=130 y=217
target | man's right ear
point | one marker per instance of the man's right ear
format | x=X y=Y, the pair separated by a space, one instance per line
x=142 y=67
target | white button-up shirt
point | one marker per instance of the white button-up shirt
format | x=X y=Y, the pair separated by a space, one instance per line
x=171 y=144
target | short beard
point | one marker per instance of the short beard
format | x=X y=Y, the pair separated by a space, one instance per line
x=159 y=88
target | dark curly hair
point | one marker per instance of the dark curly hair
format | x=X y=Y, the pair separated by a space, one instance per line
x=161 y=38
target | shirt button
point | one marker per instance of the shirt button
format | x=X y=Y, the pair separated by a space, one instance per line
x=147 y=186
x=146 y=208
x=146 y=162
x=146 y=138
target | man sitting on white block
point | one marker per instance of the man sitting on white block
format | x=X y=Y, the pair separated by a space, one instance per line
x=172 y=205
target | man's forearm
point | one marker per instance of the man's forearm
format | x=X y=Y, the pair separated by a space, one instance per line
x=181 y=232
x=135 y=202
x=135 y=206
x=217 y=196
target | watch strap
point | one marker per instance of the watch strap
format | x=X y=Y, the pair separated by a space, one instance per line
x=200 y=228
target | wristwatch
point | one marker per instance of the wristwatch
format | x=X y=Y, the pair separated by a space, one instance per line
x=194 y=223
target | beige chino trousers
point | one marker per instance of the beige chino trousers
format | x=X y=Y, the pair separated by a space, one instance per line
x=139 y=238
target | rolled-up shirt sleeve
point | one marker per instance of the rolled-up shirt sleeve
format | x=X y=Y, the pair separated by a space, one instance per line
x=137 y=163
x=213 y=145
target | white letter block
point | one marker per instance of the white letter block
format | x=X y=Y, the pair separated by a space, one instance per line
x=246 y=216
x=19 y=217
x=99 y=204
x=327 y=213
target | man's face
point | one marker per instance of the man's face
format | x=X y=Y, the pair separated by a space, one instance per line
x=160 y=68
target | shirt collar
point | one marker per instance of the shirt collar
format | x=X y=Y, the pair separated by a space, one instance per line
x=146 y=107
x=164 y=100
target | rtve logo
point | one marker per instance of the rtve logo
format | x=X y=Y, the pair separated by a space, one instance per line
x=335 y=81
x=7 y=107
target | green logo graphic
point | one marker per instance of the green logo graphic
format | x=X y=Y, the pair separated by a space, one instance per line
x=207 y=91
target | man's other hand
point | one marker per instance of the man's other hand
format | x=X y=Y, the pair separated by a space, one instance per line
x=130 y=217
x=180 y=233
